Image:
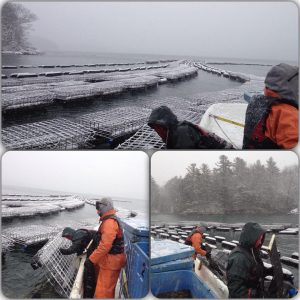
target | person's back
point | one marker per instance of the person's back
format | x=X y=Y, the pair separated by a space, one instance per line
x=272 y=119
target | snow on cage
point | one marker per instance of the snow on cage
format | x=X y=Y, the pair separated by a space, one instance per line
x=31 y=234
x=117 y=121
x=145 y=138
x=53 y=134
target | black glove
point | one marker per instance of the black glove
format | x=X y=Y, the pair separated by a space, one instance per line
x=88 y=263
x=208 y=254
x=64 y=251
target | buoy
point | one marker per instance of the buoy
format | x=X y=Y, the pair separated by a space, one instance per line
x=228 y=245
x=290 y=261
x=220 y=238
x=295 y=255
x=211 y=240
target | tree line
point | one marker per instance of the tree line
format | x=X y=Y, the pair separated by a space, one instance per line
x=230 y=187
x=16 y=23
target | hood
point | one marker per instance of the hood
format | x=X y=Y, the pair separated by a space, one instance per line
x=162 y=116
x=283 y=79
x=68 y=232
x=250 y=234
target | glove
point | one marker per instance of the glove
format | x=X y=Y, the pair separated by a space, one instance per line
x=88 y=263
x=208 y=255
x=63 y=251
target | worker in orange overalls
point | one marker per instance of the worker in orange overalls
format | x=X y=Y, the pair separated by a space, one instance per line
x=109 y=257
x=195 y=239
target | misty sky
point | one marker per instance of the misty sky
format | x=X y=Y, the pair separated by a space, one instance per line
x=120 y=174
x=254 y=30
x=166 y=165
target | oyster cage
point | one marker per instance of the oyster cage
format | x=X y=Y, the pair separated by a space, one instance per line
x=53 y=134
x=59 y=269
x=29 y=235
x=117 y=121
x=145 y=138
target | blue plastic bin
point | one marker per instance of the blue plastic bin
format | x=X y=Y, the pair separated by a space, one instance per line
x=180 y=264
x=137 y=270
x=163 y=251
x=136 y=230
x=175 y=281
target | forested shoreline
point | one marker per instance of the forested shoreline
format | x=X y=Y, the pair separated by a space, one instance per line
x=229 y=187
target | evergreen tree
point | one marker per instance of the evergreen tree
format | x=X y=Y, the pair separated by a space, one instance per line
x=16 y=23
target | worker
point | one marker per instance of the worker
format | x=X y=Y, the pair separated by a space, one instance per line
x=80 y=239
x=245 y=270
x=195 y=239
x=272 y=119
x=109 y=257
x=183 y=135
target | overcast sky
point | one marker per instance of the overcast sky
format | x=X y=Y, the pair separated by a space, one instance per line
x=254 y=30
x=120 y=174
x=166 y=165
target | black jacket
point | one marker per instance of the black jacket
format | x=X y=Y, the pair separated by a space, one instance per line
x=245 y=270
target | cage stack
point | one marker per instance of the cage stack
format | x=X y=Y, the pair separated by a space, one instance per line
x=117 y=121
x=60 y=269
x=136 y=273
x=53 y=134
x=30 y=235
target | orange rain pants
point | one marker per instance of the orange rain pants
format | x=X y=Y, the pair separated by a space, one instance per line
x=107 y=266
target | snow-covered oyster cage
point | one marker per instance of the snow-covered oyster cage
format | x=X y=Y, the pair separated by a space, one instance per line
x=59 y=269
x=6 y=243
x=16 y=93
x=31 y=234
x=52 y=134
x=16 y=206
x=117 y=121
x=144 y=138
x=23 y=99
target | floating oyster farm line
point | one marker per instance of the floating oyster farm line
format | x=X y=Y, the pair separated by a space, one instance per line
x=212 y=237
x=122 y=127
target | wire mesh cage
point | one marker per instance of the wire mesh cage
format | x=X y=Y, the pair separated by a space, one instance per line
x=30 y=235
x=7 y=243
x=117 y=121
x=60 y=269
x=52 y=134
x=145 y=138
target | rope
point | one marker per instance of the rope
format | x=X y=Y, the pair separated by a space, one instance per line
x=225 y=133
x=227 y=120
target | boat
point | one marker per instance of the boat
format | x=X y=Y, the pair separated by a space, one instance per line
x=174 y=274
x=226 y=120
x=65 y=272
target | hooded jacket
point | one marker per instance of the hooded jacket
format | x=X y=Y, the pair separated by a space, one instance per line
x=195 y=240
x=245 y=270
x=183 y=135
x=272 y=119
x=108 y=232
x=80 y=239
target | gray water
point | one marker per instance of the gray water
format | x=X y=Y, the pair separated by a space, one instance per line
x=19 y=280
x=204 y=82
